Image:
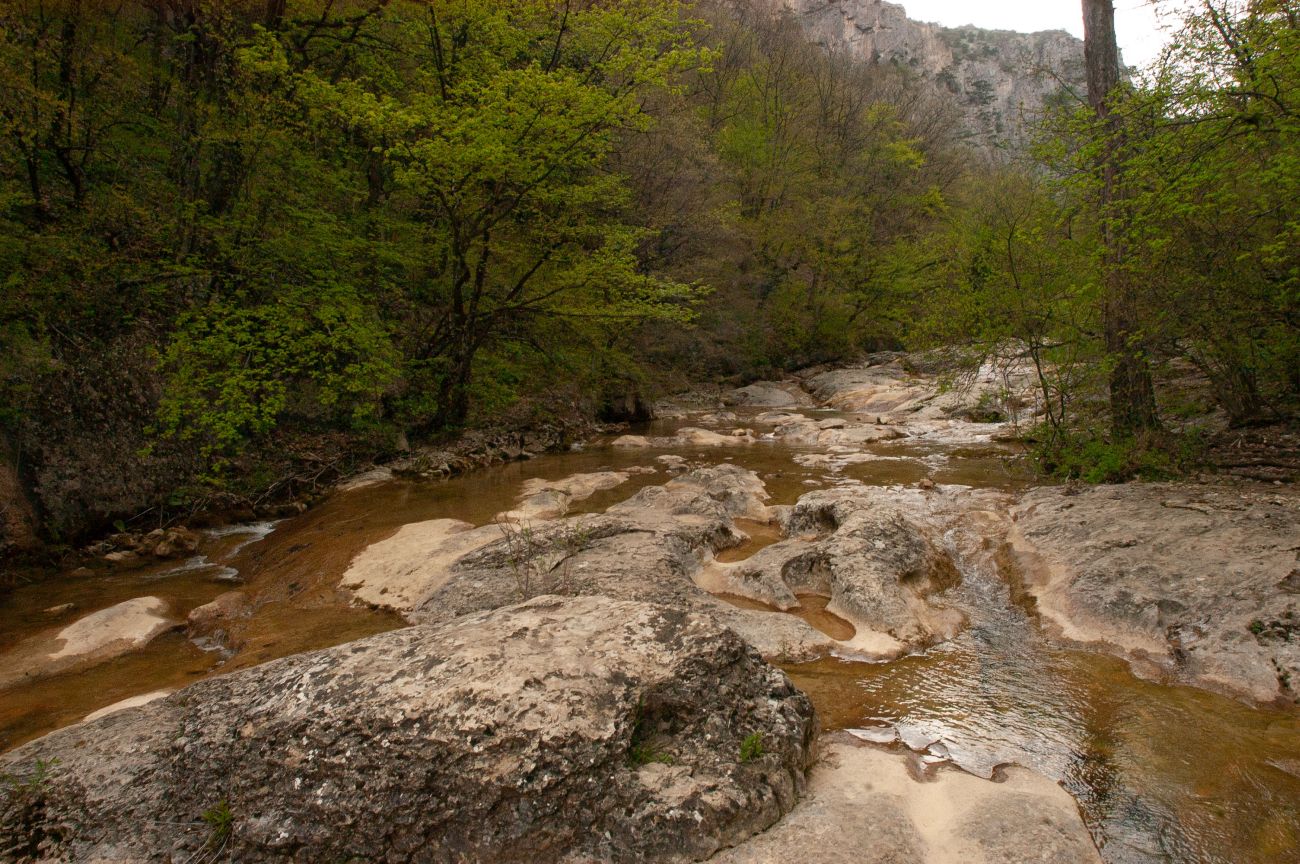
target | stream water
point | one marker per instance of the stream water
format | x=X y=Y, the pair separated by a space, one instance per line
x=1161 y=773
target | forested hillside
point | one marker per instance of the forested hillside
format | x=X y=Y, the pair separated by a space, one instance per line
x=248 y=241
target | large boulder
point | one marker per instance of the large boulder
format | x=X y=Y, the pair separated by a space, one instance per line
x=1195 y=579
x=557 y=730
x=768 y=394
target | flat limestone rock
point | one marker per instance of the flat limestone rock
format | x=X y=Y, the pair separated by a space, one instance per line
x=550 y=499
x=578 y=729
x=400 y=572
x=1193 y=578
x=867 y=806
x=93 y=639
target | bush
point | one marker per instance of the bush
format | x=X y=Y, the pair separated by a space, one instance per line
x=1094 y=459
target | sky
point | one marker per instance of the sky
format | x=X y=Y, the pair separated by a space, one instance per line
x=1136 y=28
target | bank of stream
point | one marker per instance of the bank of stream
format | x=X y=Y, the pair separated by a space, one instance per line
x=1161 y=773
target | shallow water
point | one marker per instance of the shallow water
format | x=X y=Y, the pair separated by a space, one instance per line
x=1161 y=773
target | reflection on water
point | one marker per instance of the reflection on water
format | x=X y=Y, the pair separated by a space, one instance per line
x=1162 y=774
x=811 y=608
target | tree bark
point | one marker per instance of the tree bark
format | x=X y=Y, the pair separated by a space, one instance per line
x=1132 y=392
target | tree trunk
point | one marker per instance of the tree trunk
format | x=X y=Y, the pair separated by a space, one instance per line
x=1132 y=393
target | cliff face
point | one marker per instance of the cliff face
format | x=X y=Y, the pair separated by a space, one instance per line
x=1000 y=78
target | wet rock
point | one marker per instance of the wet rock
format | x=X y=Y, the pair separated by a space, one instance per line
x=645 y=548
x=550 y=499
x=631 y=442
x=953 y=411
x=60 y=610
x=546 y=504
x=692 y=437
x=537 y=732
x=1188 y=577
x=213 y=620
x=90 y=640
x=366 y=479
x=865 y=807
x=875 y=734
x=779 y=638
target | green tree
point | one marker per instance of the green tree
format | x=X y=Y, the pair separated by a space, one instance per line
x=493 y=124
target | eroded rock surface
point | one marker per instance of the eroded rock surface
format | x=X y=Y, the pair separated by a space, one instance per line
x=972 y=408
x=558 y=730
x=868 y=806
x=878 y=562
x=1194 y=578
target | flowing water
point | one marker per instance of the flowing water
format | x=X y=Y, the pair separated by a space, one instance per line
x=1162 y=773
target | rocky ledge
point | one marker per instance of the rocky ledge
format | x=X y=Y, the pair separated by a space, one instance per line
x=556 y=730
x=1200 y=583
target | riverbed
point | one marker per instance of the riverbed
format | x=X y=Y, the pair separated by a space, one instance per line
x=1161 y=772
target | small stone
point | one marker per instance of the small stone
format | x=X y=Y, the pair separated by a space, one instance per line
x=61 y=609
x=876 y=734
x=927 y=484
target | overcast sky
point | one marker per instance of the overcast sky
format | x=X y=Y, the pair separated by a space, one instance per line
x=1140 y=38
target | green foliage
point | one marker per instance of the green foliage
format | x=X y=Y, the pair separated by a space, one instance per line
x=751 y=747
x=1093 y=459
x=221 y=823
x=350 y=218
x=236 y=370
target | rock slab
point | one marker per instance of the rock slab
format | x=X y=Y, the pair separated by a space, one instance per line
x=869 y=806
x=1193 y=578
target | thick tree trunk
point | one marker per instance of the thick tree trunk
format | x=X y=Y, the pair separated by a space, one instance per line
x=1132 y=393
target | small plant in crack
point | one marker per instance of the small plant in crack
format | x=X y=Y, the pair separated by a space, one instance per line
x=751 y=747
x=643 y=750
x=26 y=829
x=542 y=564
x=221 y=823
x=646 y=753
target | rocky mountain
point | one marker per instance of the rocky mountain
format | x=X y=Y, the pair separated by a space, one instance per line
x=1000 y=79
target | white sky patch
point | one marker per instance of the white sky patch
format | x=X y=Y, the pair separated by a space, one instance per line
x=1136 y=25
